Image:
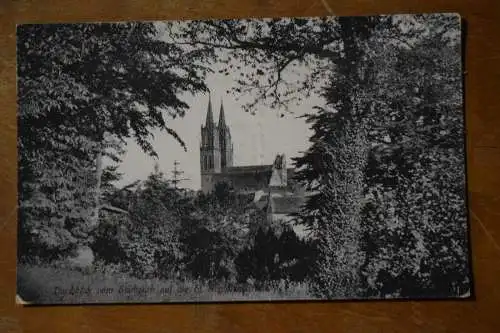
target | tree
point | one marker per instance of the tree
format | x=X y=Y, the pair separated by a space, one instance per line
x=346 y=60
x=414 y=217
x=336 y=161
x=261 y=260
x=215 y=230
x=266 y=52
x=224 y=193
x=155 y=211
x=328 y=48
x=80 y=86
x=274 y=256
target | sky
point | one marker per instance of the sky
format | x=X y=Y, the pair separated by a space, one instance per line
x=257 y=139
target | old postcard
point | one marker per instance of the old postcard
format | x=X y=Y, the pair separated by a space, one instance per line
x=317 y=158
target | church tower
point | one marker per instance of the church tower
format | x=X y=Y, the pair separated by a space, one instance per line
x=210 y=161
x=216 y=148
x=226 y=145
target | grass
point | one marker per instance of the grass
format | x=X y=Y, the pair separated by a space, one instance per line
x=49 y=285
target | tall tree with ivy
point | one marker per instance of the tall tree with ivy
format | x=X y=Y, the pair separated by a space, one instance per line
x=344 y=61
x=331 y=50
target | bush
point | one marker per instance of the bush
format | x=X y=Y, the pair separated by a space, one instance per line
x=271 y=258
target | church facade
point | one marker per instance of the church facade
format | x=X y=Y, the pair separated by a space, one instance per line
x=216 y=161
x=271 y=185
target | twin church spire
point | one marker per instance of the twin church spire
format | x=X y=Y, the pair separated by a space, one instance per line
x=210 y=115
x=216 y=149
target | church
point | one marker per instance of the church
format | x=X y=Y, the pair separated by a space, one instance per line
x=271 y=185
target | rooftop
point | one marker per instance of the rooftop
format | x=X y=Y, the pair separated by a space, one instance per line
x=287 y=204
x=248 y=168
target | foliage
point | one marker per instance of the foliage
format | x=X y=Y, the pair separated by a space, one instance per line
x=261 y=54
x=415 y=218
x=387 y=147
x=332 y=50
x=209 y=254
x=334 y=165
x=211 y=237
x=385 y=164
x=216 y=231
x=82 y=90
x=109 y=238
x=155 y=210
x=272 y=257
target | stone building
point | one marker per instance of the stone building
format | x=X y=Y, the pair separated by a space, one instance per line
x=272 y=185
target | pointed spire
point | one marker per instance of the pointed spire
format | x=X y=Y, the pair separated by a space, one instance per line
x=222 y=118
x=210 y=115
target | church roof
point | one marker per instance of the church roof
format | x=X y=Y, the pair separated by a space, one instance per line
x=256 y=168
x=249 y=169
x=113 y=209
x=261 y=199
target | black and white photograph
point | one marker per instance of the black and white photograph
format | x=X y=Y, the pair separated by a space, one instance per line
x=236 y=160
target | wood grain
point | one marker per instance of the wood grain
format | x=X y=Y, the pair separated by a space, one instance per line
x=483 y=148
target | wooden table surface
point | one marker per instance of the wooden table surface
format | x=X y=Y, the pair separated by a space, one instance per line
x=483 y=127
